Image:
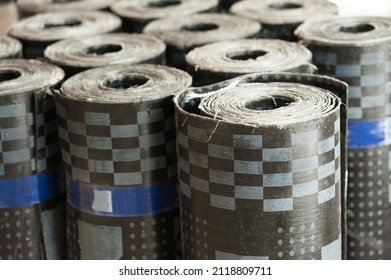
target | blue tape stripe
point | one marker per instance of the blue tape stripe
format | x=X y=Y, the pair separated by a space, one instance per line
x=123 y=201
x=362 y=134
x=18 y=192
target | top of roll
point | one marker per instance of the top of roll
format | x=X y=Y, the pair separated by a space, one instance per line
x=187 y=32
x=357 y=30
x=269 y=104
x=44 y=6
x=105 y=49
x=22 y=75
x=60 y=25
x=9 y=47
x=249 y=56
x=275 y=12
x=147 y=10
x=123 y=84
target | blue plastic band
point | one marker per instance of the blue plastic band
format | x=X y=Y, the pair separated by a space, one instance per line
x=363 y=134
x=123 y=201
x=18 y=192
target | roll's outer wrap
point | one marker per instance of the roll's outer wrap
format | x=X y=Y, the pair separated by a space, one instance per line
x=220 y=61
x=31 y=7
x=77 y=54
x=136 y=14
x=10 y=48
x=357 y=50
x=182 y=34
x=262 y=187
x=39 y=31
x=280 y=18
x=31 y=179
x=117 y=134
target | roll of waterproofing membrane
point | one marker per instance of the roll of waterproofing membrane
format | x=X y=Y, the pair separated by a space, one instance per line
x=39 y=31
x=31 y=7
x=77 y=54
x=261 y=168
x=279 y=18
x=357 y=50
x=10 y=47
x=182 y=34
x=117 y=134
x=137 y=14
x=32 y=192
x=220 y=61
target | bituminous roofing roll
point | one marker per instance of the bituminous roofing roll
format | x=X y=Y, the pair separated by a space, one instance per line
x=117 y=133
x=9 y=47
x=39 y=31
x=31 y=188
x=30 y=7
x=78 y=54
x=136 y=14
x=279 y=18
x=182 y=34
x=357 y=50
x=261 y=164
x=216 y=62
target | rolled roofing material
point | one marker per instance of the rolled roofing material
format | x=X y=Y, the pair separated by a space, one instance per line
x=9 y=47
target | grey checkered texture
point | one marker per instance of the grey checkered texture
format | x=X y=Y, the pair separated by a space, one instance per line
x=366 y=70
x=106 y=148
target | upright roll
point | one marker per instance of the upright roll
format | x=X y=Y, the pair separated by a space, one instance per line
x=136 y=14
x=10 y=48
x=77 y=54
x=182 y=34
x=31 y=7
x=117 y=133
x=220 y=61
x=357 y=50
x=261 y=166
x=39 y=31
x=279 y=18
x=31 y=182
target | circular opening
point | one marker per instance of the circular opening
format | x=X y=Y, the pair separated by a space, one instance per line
x=268 y=103
x=285 y=6
x=8 y=75
x=357 y=28
x=63 y=23
x=163 y=3
x=246 y=55
x=64 y=1
x=200 y=27
x=103 y=49
x=126 y=82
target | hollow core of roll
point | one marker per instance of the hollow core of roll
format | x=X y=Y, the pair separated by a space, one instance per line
x=62 y=23
x=64 y=1
x=284 y=6
x=8 y=75
x=268 y=103
x=124 y=82
x=357 y=28
x=103 y=49
x=163 y=3
x=245 y=55
x=200 y=27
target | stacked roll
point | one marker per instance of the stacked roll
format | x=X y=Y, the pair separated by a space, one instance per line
x=220 y=61
x=357 y=50
x=279 y=18
x=261 y=167
x=31 y=180
x=31 y=7
x=182 y=34
x=117 y=133
x=77 y=54
x=39 y=31
x=10 y=47
x=137 y=14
